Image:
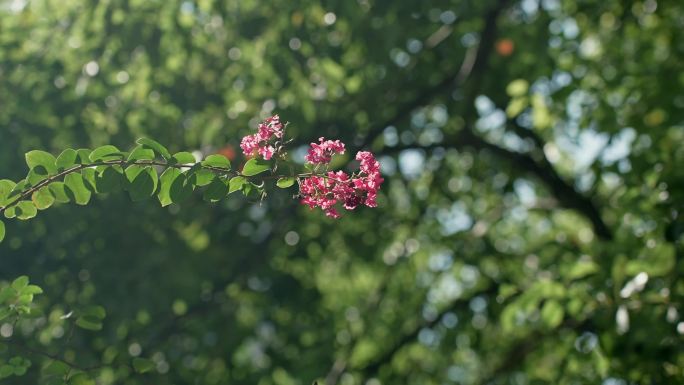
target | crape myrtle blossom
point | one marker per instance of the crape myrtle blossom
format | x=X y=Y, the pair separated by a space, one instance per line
x=322 y=152
x=320 y=187
x=261 y=143
x=325 y=191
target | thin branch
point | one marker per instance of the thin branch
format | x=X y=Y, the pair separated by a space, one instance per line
x=370 y=369
x=517 y=354
x=55 y=357
x=473 y=64
x=124 y=163
x=371 y=302
x=563 y=191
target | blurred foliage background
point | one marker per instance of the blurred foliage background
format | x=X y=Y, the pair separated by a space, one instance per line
x=530 y=229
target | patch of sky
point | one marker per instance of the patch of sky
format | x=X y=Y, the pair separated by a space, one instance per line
x=411 y=163
x=454 y=219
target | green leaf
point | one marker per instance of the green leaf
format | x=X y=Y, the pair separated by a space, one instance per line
x=26 y=210
x=6 y=187
x=2 y=231
x=181 y=188
x=43 y=198
x=141 y=153
x=165 y=182
x=582 y=269
x=67 y=159
x=81 y=379
x=517 y=87
x=107 y=152
x=42 y=159
x=58 y=190
x=156 y=146
x=659 y=261
x=203 y=177
x=4 y=312
x=20 y=283
x=18 y=189
x=216 y=160
x=89 y=178
x=24 y=299
x=83 y=156
x=6 y=293
x=286 y=182
x=255 y=166
x=143 y=365
x=32 y=290
x=19 y=370
x=89 y=323
x=97 y=312
x=516 y=106
x=76 y=189
x=57 y=368
x=6 y=371
x=184 y=158
x=552 y=313
x=251 y=190
x=217 y=190
x=236 y=184
x=110 y=179
x=37 y=175
x=11 y=212
x=142 y=182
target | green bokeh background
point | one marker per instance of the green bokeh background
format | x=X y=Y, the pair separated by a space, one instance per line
x=529 y=230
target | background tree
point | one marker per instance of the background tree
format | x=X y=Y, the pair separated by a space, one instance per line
x=529 y=230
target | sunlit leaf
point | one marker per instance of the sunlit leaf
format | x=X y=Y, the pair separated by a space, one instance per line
x=255 y=166
x=156 y=146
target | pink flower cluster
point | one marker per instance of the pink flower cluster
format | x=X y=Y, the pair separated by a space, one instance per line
x=261 y=143
x=322 y=153
x=350 y=190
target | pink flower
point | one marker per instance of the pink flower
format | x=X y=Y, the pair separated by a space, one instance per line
x=339 y=187
x=369 y=180
x=322 y=153
x=249 y=145
x=260 y=143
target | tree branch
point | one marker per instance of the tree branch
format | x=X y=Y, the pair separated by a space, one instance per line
x=473 y=65
x=563 y=191
x=517 y=354
x=371 y=369
x=125 y=163
x=54 y=357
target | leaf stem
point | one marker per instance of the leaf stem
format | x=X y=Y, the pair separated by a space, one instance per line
x=125 y=163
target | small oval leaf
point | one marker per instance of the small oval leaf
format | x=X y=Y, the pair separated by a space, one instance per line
x=141 y=153
x=107 y=152
x=217 y=190
x=143 y=365
x=184 y=158
x=216 y=160
x=66 y=159
x=43 y=198
x=156 y=146
x=6 y=187
x=58 y=190
x=255 y=166
x=26 y=210
x=37 y=158
x=76 y=189
x=286 y=182
x=236 y=184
